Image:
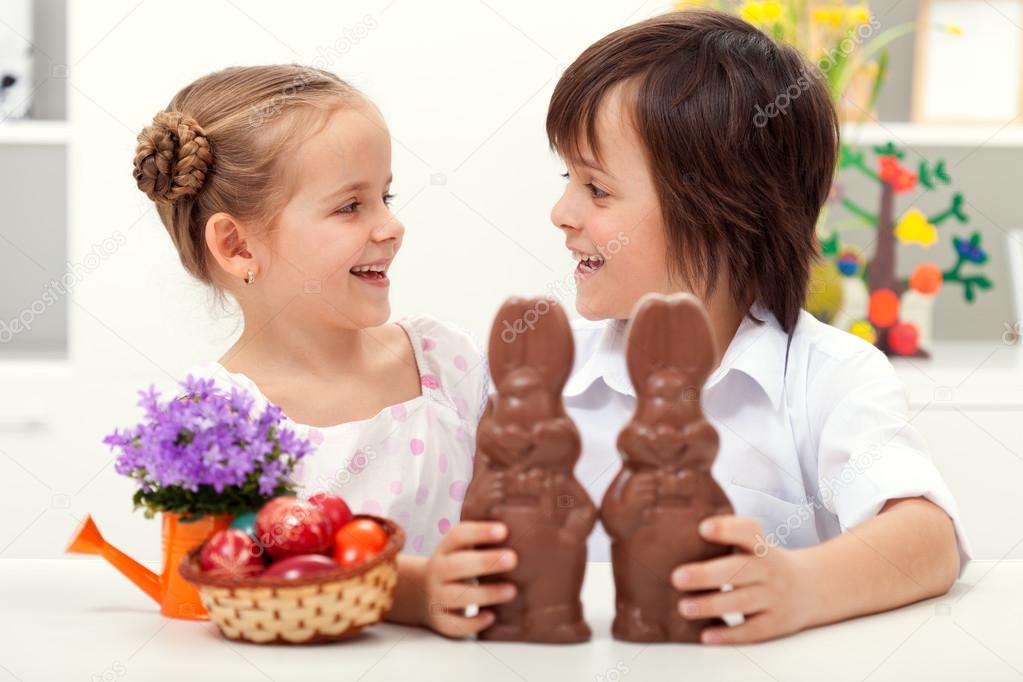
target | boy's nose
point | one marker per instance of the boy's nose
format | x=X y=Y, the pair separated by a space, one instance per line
x=561 y=215
x=391 y=228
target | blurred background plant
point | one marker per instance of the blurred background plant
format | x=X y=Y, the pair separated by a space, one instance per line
x=844 y=40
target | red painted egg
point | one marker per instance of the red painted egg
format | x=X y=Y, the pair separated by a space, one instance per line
x=335 y=508
x=231 y=553
x=302 y=566
x=288 y=526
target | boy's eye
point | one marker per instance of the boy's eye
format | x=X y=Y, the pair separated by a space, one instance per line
x=388 y=199
x=565 y=175
x=349 y=208
x=596 y=192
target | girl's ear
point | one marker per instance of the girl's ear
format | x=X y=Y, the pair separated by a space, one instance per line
x=226 y=240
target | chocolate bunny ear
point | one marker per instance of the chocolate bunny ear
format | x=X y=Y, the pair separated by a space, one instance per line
x=532 y=332
x=670 y=332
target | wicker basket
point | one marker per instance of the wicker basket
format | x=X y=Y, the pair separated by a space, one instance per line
x=322 y=608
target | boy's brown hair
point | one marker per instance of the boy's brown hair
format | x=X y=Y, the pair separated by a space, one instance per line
x=742 y=141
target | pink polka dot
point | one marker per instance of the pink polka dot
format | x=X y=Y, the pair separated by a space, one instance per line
x=457 y=490
x=461 y=363
x=442 y=463
x=396 y=487
x=403 y=518
x=428 y=344
x=315 y=436
x=462 y=434
x=358 y=463
x=417 y=543
x=443 y=526
x=416 y=446
x=399 y=413
x=421 y=494
x=462 y=407
x=372 y=507
x=430 y=381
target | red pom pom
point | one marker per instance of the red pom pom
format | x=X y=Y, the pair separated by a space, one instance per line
x=904 y=339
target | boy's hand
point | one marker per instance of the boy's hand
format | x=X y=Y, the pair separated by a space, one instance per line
x=771 y=586
x=452 y=567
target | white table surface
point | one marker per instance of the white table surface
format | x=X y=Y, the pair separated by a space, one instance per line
x=78 y=619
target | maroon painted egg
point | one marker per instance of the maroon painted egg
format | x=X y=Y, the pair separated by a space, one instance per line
x=335 y=508
x=298 y=567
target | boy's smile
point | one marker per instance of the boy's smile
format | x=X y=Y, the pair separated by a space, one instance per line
x=611 y=217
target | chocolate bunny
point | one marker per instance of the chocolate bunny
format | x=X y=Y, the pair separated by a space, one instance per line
x=526 y=450
x=664 y=489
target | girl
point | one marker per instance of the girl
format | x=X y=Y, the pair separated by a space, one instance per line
x=679 y=181
x=274 y=185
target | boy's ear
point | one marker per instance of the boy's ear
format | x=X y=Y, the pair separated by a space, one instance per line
x=226 y=240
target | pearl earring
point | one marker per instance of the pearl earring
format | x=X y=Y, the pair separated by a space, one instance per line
x=250 y=278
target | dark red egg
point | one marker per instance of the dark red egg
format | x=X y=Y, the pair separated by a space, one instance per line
x=335 y=508
x=302 y=566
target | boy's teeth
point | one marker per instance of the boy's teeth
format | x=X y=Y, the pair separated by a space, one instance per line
x=369 y=268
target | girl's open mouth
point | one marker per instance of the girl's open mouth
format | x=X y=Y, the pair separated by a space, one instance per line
x=588 y=266
x=374 y=275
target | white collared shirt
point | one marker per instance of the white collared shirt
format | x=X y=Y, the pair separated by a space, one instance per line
x=809 y=450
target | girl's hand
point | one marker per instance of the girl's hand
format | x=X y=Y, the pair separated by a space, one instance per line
x=452 y=568
x=772 y=587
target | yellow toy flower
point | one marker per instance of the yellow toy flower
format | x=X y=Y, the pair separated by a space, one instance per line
x=864 y=330
x=953 y=29
x=753 y=12
x=772 y=11
x=859 y=14
x=828 y=15
x=915 y=229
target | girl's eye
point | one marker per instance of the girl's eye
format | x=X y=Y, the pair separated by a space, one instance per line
x=349 y=208
x=596 y=192
x=388 y=199
x=565 y=175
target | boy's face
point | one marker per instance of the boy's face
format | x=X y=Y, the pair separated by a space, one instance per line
x=611 y=217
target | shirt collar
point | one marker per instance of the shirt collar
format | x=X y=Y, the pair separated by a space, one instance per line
x=759 y=350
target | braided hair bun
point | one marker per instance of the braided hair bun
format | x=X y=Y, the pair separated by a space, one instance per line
x=172 y=158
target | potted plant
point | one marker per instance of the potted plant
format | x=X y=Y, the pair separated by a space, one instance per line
x=198 y=459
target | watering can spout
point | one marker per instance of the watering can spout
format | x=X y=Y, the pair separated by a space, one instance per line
x=88 y=540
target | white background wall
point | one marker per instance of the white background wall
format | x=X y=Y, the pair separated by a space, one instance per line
x=464 y=86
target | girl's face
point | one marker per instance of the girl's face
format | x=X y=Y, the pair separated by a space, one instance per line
x=611 y=217
x=336 y=237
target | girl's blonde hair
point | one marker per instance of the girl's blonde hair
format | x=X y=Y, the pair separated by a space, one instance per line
x=219 y=145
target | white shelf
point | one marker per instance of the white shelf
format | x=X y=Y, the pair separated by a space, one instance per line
x=921 y=135
x=33 y=132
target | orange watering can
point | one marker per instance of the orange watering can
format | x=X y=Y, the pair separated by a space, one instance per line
x=177 y=598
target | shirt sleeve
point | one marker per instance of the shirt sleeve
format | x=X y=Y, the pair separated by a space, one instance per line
x=869 y=452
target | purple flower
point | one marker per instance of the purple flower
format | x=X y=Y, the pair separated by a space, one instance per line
x=189 y=450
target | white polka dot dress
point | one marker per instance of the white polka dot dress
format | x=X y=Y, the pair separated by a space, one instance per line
x=411 y=462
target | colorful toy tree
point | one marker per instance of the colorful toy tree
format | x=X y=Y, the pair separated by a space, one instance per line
x=869 y=298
